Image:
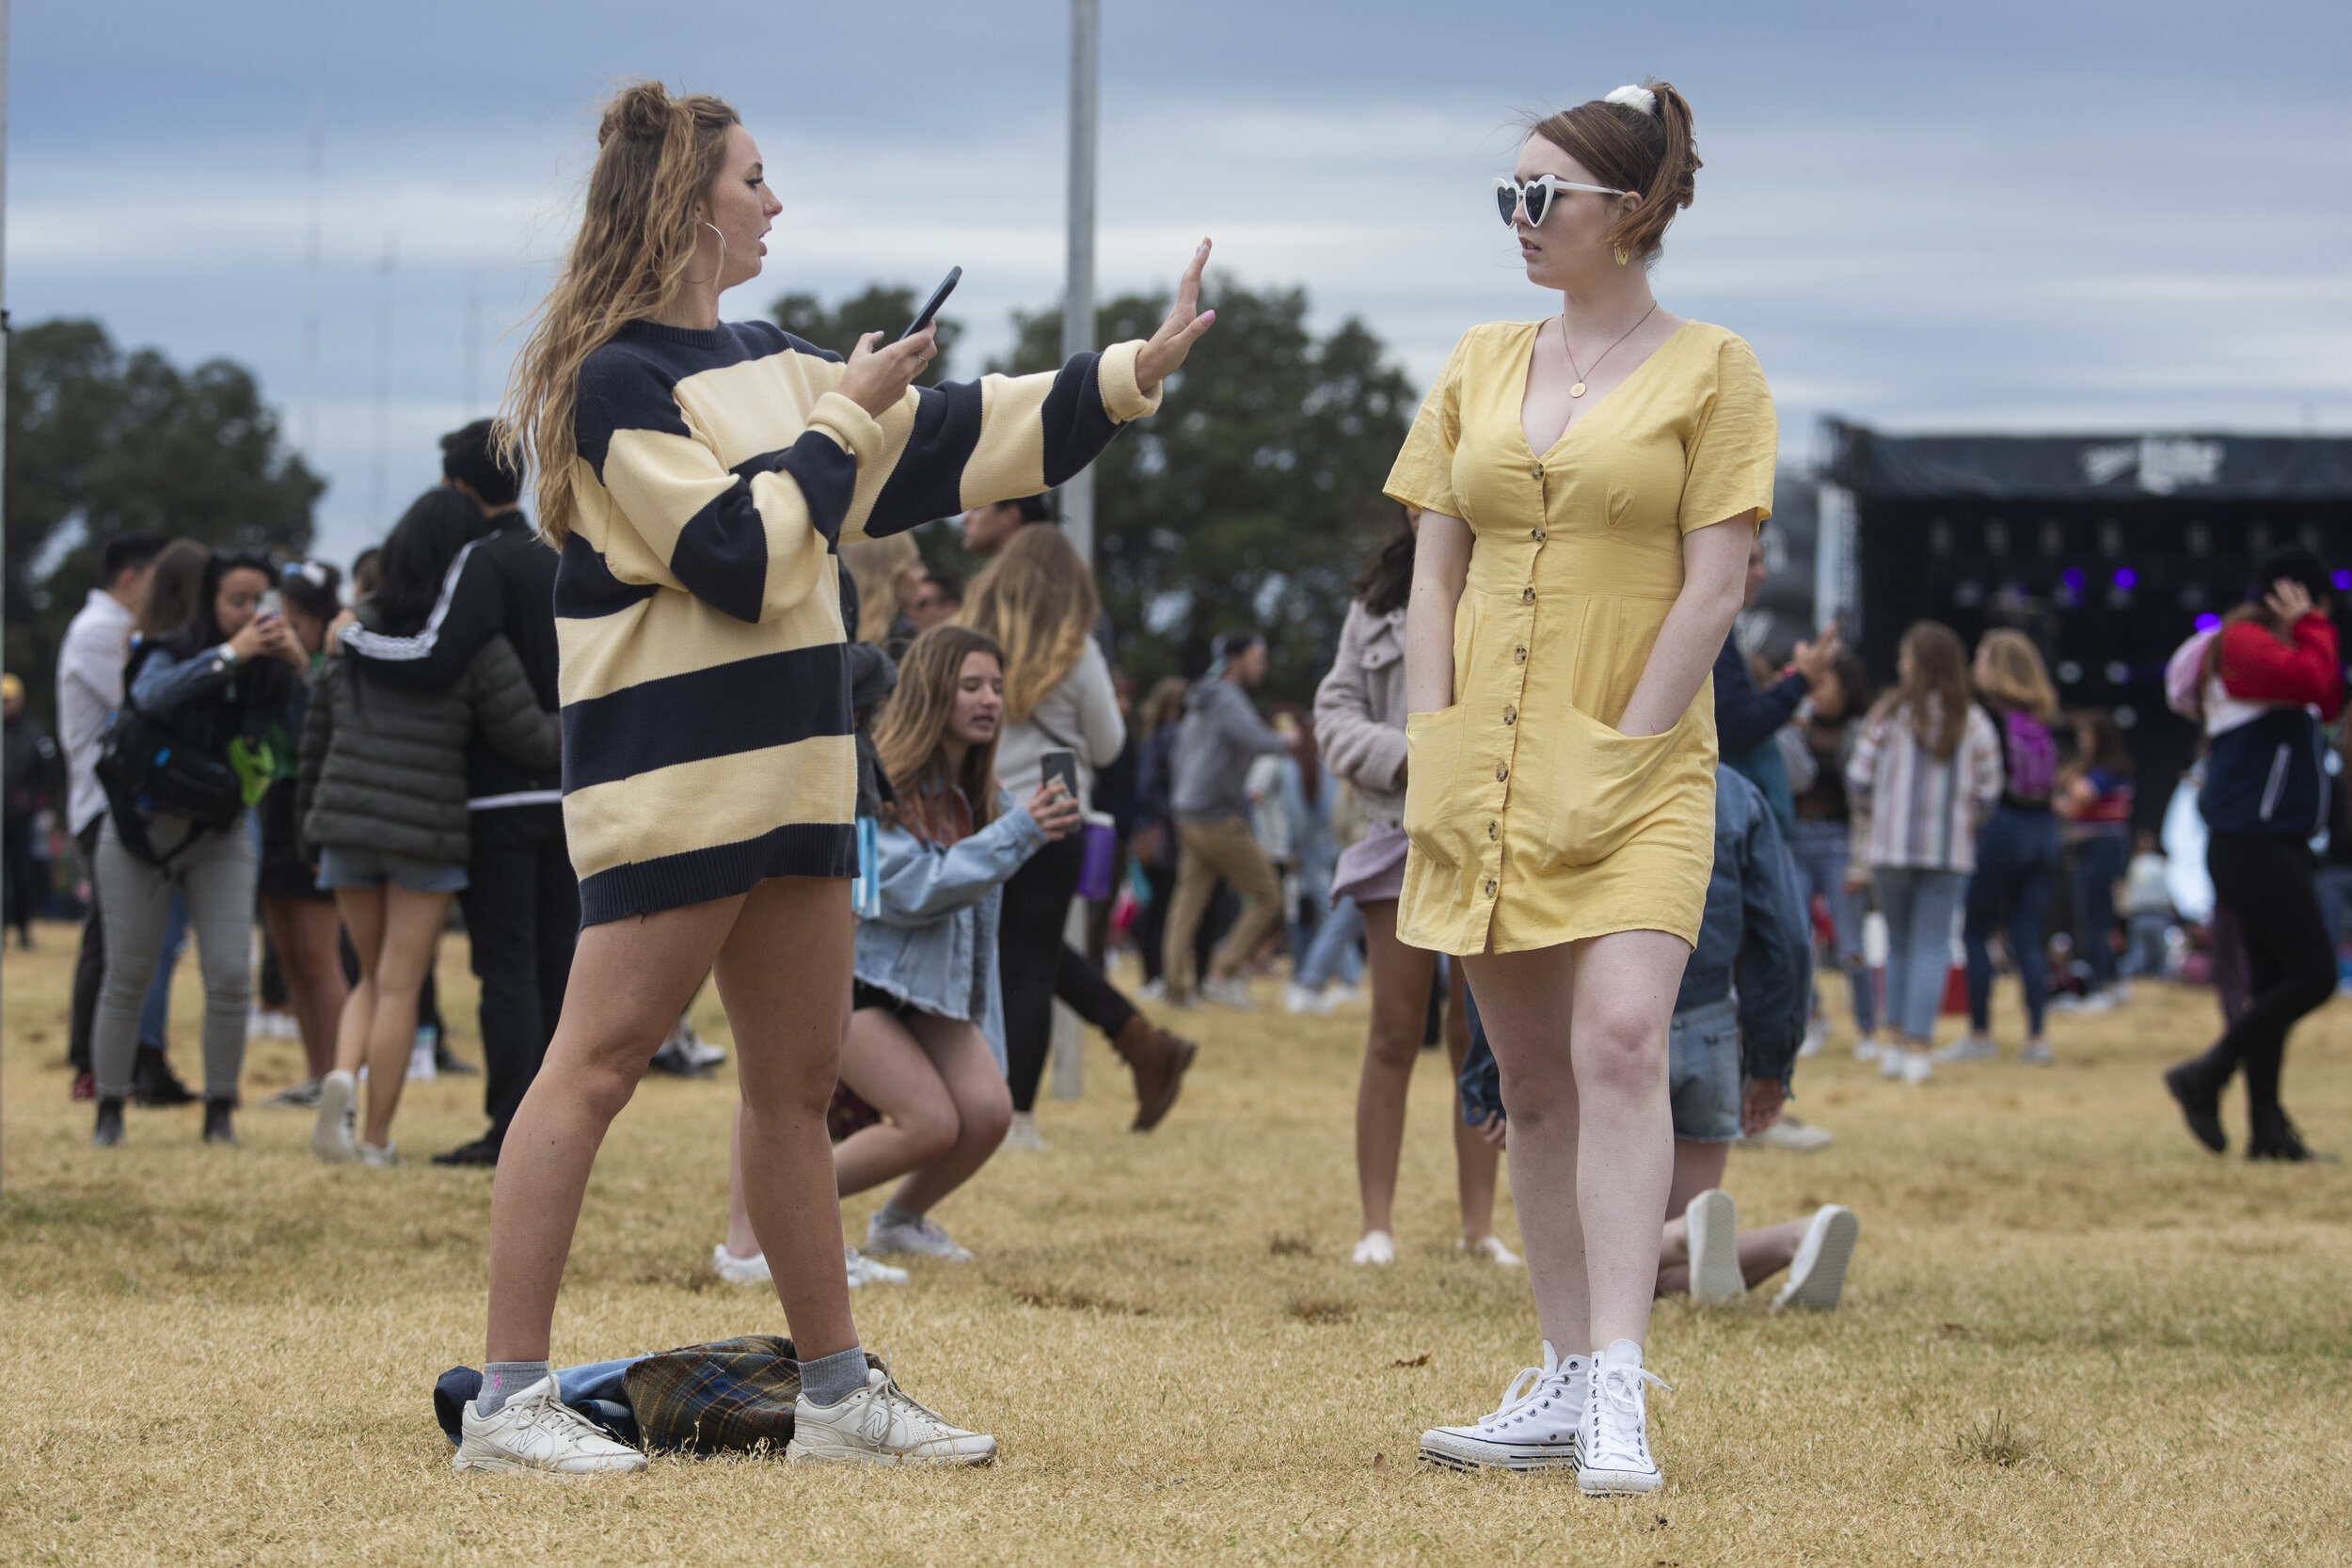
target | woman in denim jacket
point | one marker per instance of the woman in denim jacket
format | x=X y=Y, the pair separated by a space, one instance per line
x=925 y=1042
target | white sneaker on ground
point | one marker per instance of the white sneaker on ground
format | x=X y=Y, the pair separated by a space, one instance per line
x=1534 y=1428
x=1343 y=995
x=1612 y=1447
x=1791 y=1133
x=923 y=1239
x=866 y=1271
x=381 y=1158
x=1490 y=1249
x=2036 y=1053
x=1816 y=1031
x=302 y=1097
x=1866 y=1050
x=537 y=1431
x=1891 y=1061
x=881 y=1425
x=1916 y=1068
x=1378 y=1249
x=1154 y=991
x=1817 y=1275
x=1023 y=1133
x=339 y=1103
x=1968 y=1048
x=1712 y=1221
x=1233 y=993
x=740 y=1271
x=1298 y=999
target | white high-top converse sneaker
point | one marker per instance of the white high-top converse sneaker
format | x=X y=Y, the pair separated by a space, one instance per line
x=1534 y=1427
x=1613 y=1447
x=537 y=1431
x=881 y=1425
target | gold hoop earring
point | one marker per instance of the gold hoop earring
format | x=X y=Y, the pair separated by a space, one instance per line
x=721 y=270
x=1622 y=257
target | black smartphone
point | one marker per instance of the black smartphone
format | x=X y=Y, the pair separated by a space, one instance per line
x=947 y=286
x=1062 y=765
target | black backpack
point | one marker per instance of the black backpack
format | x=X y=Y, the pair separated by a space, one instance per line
x=148 y=763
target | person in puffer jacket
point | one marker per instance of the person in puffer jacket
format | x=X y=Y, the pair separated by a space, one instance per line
x=2271 y=680
x=381 y=801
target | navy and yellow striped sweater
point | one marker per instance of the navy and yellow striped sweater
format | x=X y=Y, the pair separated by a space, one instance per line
x=704 y=682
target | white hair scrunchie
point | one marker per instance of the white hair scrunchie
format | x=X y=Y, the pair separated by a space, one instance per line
x=1634 y=98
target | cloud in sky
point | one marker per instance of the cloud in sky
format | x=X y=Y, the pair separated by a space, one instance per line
x=1999 y=216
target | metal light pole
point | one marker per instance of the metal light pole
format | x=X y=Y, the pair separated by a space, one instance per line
x=1077 y=493
x=1078 y=299
x=4 y=321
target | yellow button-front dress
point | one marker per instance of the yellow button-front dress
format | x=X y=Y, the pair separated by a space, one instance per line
x=1532 y=822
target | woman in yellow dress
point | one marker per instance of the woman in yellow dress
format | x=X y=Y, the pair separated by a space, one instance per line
x=1590 y=483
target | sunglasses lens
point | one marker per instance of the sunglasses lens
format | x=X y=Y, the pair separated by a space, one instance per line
x=1506 y=198
x=1538 y=202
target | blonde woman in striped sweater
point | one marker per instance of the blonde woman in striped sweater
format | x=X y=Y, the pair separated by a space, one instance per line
x=697 y=476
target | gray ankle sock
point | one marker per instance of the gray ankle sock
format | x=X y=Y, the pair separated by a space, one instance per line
x=831 y=1379
x=502 y=1380
x=890 y=1213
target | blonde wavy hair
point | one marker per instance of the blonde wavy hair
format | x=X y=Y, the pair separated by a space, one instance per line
x=2019 y=680
x=656 y=157
x=875 y=565
x=1037 y=600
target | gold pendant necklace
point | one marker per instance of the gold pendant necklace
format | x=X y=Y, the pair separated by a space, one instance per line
x=1577 y=390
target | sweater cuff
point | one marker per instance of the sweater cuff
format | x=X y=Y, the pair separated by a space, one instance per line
x=859 y=433
x=1384 y=753
x=1123 y=400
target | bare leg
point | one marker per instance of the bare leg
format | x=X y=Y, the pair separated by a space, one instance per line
x=1475 y=1158
x=740 y=1242
x=303 y=931
x=783 y=976
x=413 y=923
x=629 y=979
x=362 y=914
x=1591 y=1135
x=1400 y=1010
x=891 y=1071
x=982 y=1105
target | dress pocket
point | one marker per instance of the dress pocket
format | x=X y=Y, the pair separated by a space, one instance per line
x=1607 y=784
x=1433 y=755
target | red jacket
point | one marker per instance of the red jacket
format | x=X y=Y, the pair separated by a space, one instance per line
x=2257 y=668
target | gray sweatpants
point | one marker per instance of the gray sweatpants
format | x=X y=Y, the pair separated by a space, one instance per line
x=215 y=877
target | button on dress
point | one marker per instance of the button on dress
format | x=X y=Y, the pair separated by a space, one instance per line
x=1532 y=820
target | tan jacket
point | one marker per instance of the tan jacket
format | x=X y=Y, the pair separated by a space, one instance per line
x=1359 y=712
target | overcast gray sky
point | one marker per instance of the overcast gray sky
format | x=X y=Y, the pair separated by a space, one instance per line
x=2031 y=215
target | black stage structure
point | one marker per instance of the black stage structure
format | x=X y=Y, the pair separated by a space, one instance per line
x=2108 y=550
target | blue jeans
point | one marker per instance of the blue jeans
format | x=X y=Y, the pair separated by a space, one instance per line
x=2017 y=860
x=1919 y=905
x=1334 y=949
x=2098 y=862
x=1817 y=849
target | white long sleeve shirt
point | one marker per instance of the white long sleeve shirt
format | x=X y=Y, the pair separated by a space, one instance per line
x=89 y=688
x=1081 y=715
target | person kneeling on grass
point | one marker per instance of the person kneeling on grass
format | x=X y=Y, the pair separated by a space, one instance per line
x=1728 y=1066
x=926 y=1043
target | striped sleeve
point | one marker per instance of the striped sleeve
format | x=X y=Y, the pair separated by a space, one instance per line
x=945 y=449
x=751 y=539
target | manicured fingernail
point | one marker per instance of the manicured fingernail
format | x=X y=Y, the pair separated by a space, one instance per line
x=1207 y=316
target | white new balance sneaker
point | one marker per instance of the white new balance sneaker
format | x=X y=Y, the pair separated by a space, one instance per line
x=537 y=1431
x=1612 y=1447
x=923 y=1238
x=331 y=1137
x=1817 y=1275
x=1534 y=1428
x=881 y=1425
x=740 y=1271
x=1712 y=1221
x=1376 y=1250
x=866 y=1271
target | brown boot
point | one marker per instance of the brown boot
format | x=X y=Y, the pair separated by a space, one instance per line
x=1159 y=1061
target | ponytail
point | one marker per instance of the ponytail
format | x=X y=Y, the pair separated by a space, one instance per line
x=1637 y=139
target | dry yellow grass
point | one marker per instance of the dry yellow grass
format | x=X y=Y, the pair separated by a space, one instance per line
x=2069 y=1336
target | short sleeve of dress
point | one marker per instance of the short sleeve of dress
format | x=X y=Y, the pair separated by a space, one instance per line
x=1423 y=474
x=1728 y=463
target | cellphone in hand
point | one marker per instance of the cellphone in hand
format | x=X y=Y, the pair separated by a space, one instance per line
x=939 y=297
x=1060 y=764
x=270 y=603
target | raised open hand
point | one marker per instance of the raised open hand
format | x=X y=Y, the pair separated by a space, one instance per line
x=2289 y=600
x=1185 y=323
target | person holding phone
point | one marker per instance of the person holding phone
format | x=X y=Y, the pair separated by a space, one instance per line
x=212 y=674
x=696 y=476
